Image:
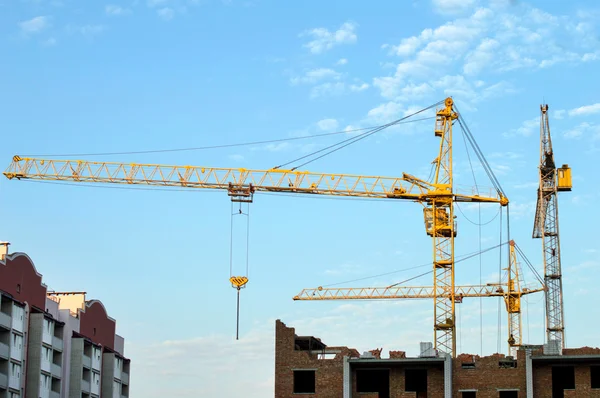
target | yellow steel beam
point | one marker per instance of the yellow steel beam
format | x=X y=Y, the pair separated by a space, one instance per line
x=231 y=179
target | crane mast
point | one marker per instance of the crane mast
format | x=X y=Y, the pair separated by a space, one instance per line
x=512 y=299
x=440 y=225
x=551 y=181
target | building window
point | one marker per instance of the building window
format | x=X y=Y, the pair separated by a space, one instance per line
x=469 y=394
x=373 y=381
x=595 y=376
x=563 y=378
x=94 y=331
x=416 y=380
x=18 y=288
x=304 y=381
x=509 y=394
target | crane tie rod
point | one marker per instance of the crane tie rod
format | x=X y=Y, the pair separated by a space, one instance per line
x=352 y=140
x=456 y=261
x=479 y=153
x=215 y=146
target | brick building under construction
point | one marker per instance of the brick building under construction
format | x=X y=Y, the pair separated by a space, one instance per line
x=305 y=366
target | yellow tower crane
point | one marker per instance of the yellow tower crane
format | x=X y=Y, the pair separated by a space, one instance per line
x=511 y=291
x=437 y=197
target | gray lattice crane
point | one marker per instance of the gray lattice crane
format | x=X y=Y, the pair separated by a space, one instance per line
x=552 y=181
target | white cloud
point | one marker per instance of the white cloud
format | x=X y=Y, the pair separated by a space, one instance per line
x=86 y=30
x=583 y=129
x=452 y=7
x=166 y=13
x=585 y=110
x=328 y=124
x=236 y=157
x=316 y=75
x=342 y=61
x=35 y=25
x=211 y=355
x=522 y=210
x=559 y=114
x=406 y=47
x=359 y=87
x=112 y=9
x=587 y=57
x=527 y=128
x=479 y=58
x=324 y=40
x=495 y=38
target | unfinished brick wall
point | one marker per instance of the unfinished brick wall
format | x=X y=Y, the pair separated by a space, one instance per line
x=542 y=381
x=581 y=351
x=329 y=372
x=487 y=376
x=435 y=382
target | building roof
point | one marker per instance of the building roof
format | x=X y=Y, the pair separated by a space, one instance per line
x=374 y=362
x=308 y=343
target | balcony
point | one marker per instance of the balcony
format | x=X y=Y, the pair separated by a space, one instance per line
x=125 y=378
x=56 y=370
x=5 y=321
x=45 y=365
x=3 y=381
x=85 y=386
x=3 y=351
x=57 y=343
x=87 y=362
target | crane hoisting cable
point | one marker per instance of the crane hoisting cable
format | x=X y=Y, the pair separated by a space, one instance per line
x=239 y=281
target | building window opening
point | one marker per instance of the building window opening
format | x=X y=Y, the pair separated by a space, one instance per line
x=304 y=381
x=509 y=394
x=595 y=376
x=416 y=380
x=373 y=381
x=563 y=378
x=469 y=394
x=18 y=288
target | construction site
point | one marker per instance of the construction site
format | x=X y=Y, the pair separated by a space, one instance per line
x=307 y=366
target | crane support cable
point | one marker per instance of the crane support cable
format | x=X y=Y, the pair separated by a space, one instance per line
x=352 y=140
x=479 y=154
x=466 y=257
x=271 y=141
x=427 y=264
x=531 y=267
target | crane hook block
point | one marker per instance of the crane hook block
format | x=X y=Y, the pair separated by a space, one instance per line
x=238 y=281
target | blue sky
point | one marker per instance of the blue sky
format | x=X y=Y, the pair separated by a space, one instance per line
x=143 y=75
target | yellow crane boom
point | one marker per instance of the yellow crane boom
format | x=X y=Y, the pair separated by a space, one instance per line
x=237 y=181
x=511 y=291
x=403 y=292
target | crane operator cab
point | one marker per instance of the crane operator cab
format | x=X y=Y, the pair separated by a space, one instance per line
x=564 y=178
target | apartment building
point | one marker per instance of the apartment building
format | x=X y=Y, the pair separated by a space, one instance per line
x=55 y=344
x=305 y=366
